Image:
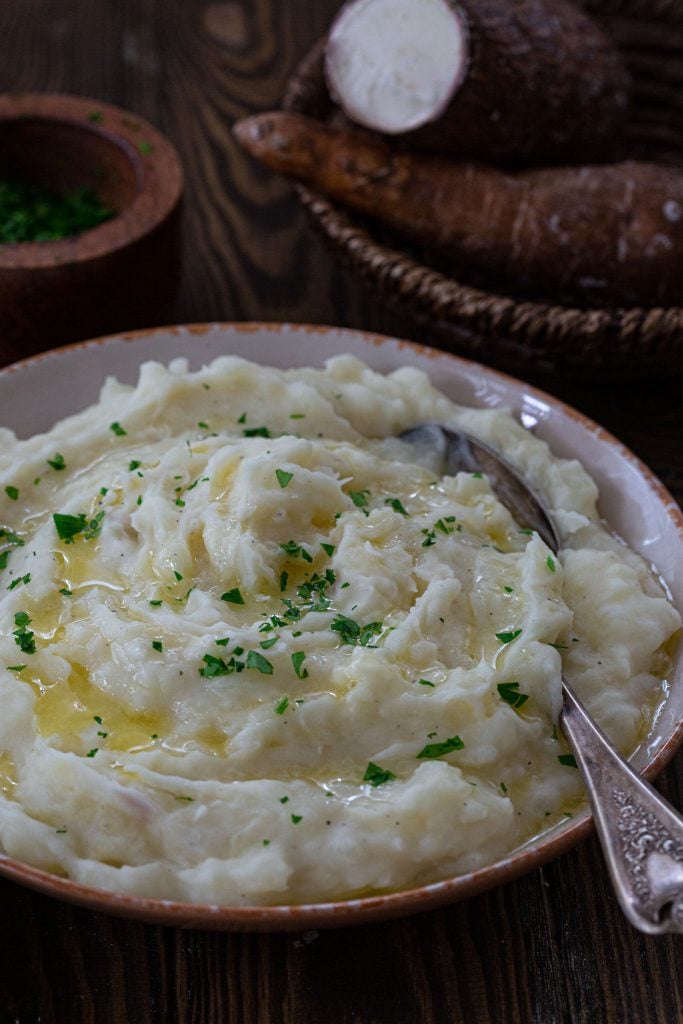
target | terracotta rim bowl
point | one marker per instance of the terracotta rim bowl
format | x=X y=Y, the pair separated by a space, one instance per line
x=36 y=392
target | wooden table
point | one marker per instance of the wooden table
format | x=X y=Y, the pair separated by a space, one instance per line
x=551 y=948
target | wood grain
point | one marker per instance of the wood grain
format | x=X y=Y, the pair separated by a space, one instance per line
x=551 y=948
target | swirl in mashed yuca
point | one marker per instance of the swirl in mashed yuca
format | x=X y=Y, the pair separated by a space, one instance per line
x=252 y=653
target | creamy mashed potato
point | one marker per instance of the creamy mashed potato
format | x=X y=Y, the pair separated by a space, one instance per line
x=252 y=653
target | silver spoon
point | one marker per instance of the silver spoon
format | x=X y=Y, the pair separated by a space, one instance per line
x=641 y=834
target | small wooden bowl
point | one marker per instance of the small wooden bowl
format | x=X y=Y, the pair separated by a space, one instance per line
x=119 y=275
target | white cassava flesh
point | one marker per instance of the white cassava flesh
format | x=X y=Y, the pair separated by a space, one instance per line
x=395 y=64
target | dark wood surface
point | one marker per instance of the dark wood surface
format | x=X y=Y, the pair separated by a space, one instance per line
x=551 y=948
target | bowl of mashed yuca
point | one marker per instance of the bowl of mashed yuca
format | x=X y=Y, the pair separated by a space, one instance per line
x=260 y=668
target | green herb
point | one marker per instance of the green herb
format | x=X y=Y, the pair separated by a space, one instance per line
x=117 y=429
x=223 y=642
x=69 y=526
x=144 y=147
x=214 y=667
x=66 y=592
x=98 y=719
x=57 y=462
x=442 y=524
x=266 y=842
x=4 y=556
x=509 y=692
x=559 y=647
x=233 y=596
x=242 y=418
x=202 y=425
x=550 y=562
x=377 y=776
x=24 y=639
x=33 y=213
x=507 y=636
x=12 y=492
x=284 y=799
x=351 y=632
x=19 y=580
x=270 y=642
x=283 y=477
x=425 y=682
x=503 y=787
x=284 y=577
x=157 y=645
x=16 y=668
x=297 y=416
x=102 y=735
x=327 y=548
x=11 y=537
x=256 y=431
x=178 y=575
x=429 y=538
x=155 y=604
x=96 y=117
x=296 y=818
x=439 y=749
x=567 y=759
x=22 y=619
x=257 y=661
x=281 y=706
x=134 y=464
x=91 y=753
x=298 y=659
x=509 y=590
x=295 y=550
x=360 y=499
x=396 y=505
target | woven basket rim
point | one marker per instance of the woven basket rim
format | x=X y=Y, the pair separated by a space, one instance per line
x=527 y=328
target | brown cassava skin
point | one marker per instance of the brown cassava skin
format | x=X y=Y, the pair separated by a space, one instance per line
x=543 y=85
x=612 y=231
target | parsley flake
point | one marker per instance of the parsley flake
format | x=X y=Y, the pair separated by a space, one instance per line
x=233 y=596
x=12 y=492
x=550 y=562
x=507 y=636
x=377 y=776
x=296 y=818
x=298 y=659
x=117 y=429
x=567 y=759
x=283 y=477
x=509 y=692
x=433 y=750
x=327 y=548
x=257 y=661
x=281 y=706
x=58 y=462
x=157 y=645
x=397 y=505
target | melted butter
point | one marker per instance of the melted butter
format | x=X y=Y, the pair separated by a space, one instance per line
x=8 y=775
x=67 y=709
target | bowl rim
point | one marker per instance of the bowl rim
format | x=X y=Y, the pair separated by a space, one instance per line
x=155 y=161
x=380 y=906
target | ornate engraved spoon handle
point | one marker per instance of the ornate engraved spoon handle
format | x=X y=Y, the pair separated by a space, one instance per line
x=641 y=834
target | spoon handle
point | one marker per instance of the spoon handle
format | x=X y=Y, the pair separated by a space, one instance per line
x=641 y=834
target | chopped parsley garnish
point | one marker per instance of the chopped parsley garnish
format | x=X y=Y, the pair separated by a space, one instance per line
x=157 y=645
x=255 y=431
x=550 y=562
x=223 y=642
x=284 y=578
x=296 y=818
x=202 y=425
x=281 y=706
x=509 y=590
x=4 y=556
x=24 y=638
x=66 y=592
x=270 y=642
x=377 y=776
x=10 y=537
x=567 y=759
x=177 y=575
x=117 y=429
x=327 y=548
x=509 y=692
x=351 y=632
x=156 y=603
x=98 y=719
x=257 y=661
x=16 y=668
x=22 y=619
x=69 y=526
x=295 y=550
x=233 y=596
x=425 y=682
x=507 y=636
x=242 y=418
x=397 y=505
x=58 y=462
x=439 y=749
x=284 y=799
x=298 y=659
x=283 y=477
x=12 y=492
x=214 y=667
x=91 y=753
x=360 y=499
x=134 y=464
x=429 y=538
x=503 y=787
x=19 y=580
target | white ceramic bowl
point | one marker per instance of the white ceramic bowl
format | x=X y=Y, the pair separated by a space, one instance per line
x=39 y=391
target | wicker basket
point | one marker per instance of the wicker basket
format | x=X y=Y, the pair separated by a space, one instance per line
x=498 y=328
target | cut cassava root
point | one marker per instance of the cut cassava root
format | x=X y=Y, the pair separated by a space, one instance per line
x=611 y=232
x=505 y=81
